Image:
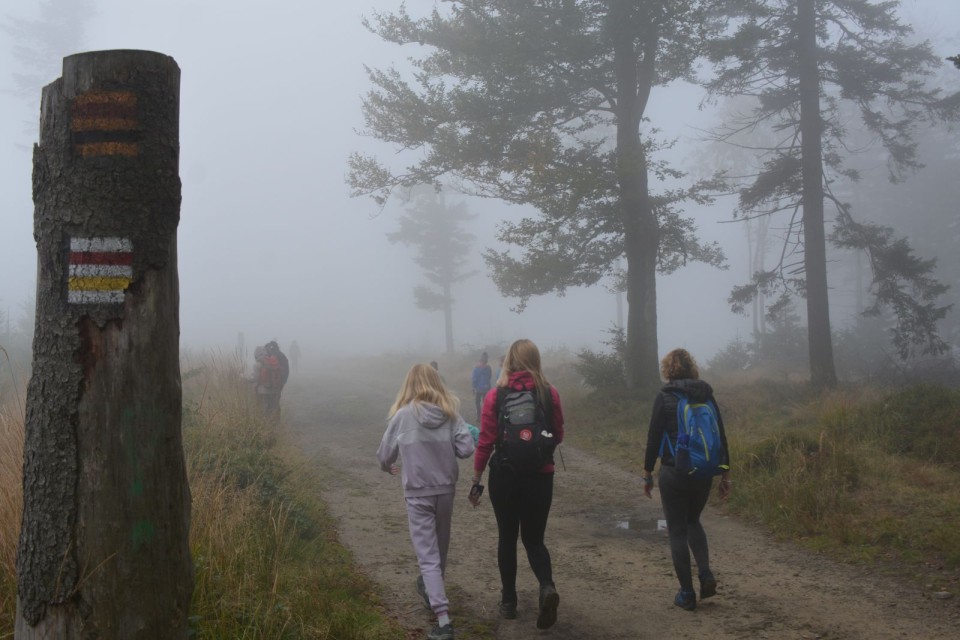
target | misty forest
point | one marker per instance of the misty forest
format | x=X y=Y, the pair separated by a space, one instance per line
x=240 y=238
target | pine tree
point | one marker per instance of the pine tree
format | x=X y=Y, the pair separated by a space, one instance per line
x=803 y=61
x=436 y=230
x=542 y=104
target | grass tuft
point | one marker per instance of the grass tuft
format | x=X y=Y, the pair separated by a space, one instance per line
x=11 y=507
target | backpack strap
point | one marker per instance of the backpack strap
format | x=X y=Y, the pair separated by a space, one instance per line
x=501 y=393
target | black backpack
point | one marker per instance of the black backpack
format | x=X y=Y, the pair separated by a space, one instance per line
x=525 y=439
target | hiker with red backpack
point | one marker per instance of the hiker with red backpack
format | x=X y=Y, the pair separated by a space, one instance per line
x=686 y=432
x=269 y=376
x=521 y=424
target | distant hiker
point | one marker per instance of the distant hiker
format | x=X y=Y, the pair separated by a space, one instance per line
x=481 y=381
x=685 y=486
x=425 y=430
x=273 y=349
x=268 y=379
x=436 y=367
x=295 y=355
x=521 y=425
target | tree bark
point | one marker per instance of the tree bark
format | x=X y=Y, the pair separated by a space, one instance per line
x=820 y=342
x=103 y=549
x=640 y=228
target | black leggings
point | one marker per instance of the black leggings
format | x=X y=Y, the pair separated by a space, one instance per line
x=683 y=500
x=521 y=505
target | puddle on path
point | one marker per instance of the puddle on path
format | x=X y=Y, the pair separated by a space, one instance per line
x=633 y=525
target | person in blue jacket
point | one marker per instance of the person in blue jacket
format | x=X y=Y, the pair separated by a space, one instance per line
x=481 y=380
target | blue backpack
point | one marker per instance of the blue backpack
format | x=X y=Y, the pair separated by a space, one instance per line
x=699 y=449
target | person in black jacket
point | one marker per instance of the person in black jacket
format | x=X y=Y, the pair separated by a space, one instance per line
x=683 y=496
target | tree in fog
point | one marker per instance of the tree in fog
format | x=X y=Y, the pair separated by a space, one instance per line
x=542 y=104
x=931 y=198
x=40 y=44
x=436 y=230
x=803 y=60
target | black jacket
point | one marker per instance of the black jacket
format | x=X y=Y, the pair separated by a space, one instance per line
x=663 y=419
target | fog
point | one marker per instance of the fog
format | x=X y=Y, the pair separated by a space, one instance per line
x=271 y=244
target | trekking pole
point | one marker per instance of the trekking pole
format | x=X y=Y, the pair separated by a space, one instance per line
x=562 y=462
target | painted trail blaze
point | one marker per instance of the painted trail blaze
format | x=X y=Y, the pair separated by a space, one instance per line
x=105 y=123
x=101 y=269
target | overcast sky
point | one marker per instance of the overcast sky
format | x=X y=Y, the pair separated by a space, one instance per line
x=271 y=244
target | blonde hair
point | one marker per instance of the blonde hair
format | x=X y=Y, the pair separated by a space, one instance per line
x=523 y=355
x=679 y=364
x=423 y=385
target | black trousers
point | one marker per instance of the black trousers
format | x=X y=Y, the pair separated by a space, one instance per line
x=683 y=499
x=521 y=505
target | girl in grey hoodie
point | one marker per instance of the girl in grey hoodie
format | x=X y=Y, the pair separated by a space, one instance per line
x=425 y=429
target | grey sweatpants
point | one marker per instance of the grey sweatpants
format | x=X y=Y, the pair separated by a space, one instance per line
x=429 y=519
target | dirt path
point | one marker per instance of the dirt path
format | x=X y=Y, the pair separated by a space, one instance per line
x=611 y=565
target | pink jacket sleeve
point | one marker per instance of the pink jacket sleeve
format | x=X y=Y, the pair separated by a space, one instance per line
x=488 y=432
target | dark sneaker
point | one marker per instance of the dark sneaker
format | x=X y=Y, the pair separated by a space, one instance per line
x=686 y=599
x=708 y=585
x=549 y=600
x=508 y=610
x=422 y=590
x=441 y=633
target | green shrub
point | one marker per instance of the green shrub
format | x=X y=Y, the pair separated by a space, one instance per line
x=605 y=371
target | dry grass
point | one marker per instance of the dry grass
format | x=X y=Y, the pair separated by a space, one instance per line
x=11 y=506
x=268 y=564
x=11 y=487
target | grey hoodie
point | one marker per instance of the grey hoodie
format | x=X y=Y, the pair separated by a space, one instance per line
x=429 y=444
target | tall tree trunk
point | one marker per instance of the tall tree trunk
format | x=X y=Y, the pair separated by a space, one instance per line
x=640 y=228
x=103 y=549
x=822 y=372
x=448 y=316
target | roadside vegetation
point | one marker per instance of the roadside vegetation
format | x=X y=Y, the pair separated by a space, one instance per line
x=864 y=473
x=267 y=560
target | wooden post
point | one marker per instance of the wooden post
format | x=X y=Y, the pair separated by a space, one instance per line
x=104 y=549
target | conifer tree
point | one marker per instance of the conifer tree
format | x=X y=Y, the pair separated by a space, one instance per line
x=806 y=62
x=543 y=104
x=436 y=230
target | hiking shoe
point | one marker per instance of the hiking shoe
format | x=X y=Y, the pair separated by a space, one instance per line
x=422 y=590
x=686 y=599
x=508 y=610
x=549 y=600
x=441 y=633
x=708 y=585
